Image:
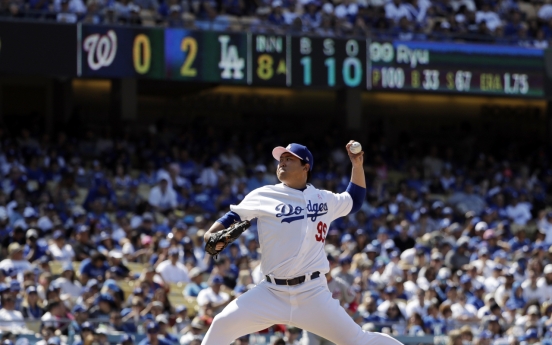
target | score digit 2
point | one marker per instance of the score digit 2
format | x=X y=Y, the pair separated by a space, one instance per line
x=189 y=48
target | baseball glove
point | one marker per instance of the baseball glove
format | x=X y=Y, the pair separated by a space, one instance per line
x=226 y=236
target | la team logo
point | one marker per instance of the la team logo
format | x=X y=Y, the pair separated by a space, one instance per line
x=231 y=63
x=101 y=49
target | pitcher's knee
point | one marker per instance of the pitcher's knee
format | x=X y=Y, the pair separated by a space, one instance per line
x=223 y=321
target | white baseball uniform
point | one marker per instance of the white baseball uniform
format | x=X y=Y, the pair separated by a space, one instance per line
x=292 y=226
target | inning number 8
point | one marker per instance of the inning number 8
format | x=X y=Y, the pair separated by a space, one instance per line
x=321 y=234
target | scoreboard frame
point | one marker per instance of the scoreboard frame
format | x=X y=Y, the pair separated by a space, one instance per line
x=307 y=61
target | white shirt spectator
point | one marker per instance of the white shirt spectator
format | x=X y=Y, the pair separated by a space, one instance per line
x=15 y=266
x=470 y=5
x=529 y=293
x=45 y=224
x=501 y=293
x=66 y=18
x=540 y=44
x=395 y=12
x=11 y=319
x=210 y=177
x=414 y=307
x=546 y=227
x=410 y=288
x=289 y=17
x=391 y=270
x=232 y=159
x=66 y=253
x=545 y=12
x=344 y=10
x=545 y=290
x=177 y=273
x=459 y=310
x=162 y=200
x=520 y=213
x=384 y=306
x=209 y=296
x=485 y=267
x=491 y=283
x=491 y=19
x=118 y=234
x=75 y=6
x=73 y=289
x=483 y=311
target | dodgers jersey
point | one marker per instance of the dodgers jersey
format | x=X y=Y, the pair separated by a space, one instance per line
x=292 y=226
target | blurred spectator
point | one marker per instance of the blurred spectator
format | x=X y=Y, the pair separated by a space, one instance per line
x=161 y=197
x=196 y=285
x=16 y=264
x=172 y=270
x=153 y=336
x=10 y=318
x=396 y=9
x=212 y=296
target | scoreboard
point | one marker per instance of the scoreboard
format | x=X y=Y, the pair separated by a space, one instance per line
x=302 y=61
x=445 y=67
x=328 y=62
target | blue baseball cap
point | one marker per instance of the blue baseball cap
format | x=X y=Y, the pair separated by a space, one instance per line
x=298 y=150
x=217 y=280
x=465 y=279
x=180 y=308
x=87 y=325
x=54 y=341
x=390 y=290
x=486 y=334
x=106 y=298
x=104 y=236
x=126 y=337
x=79 y=308
x=153 y=328
x=57 y=234
x=531 y=334
x=345 y=260
x=346 y=238
x=15 y=286
x=31 y=289
x=68 y=266
x=82 y=228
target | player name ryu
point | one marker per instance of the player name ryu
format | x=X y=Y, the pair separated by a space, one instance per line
x=289 y=213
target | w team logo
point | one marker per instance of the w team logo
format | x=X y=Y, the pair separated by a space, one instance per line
x=101 y=49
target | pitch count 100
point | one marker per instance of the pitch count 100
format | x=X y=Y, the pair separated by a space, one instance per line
x=458 y=81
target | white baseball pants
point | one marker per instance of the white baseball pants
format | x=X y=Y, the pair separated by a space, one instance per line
x=309 y=338
x=309 y=306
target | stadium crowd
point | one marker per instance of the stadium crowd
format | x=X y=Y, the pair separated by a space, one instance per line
x=517 y=22
x=102 y=236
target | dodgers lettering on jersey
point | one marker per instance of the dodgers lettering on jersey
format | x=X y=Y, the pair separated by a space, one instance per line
x=290 y=214
x=292 y=226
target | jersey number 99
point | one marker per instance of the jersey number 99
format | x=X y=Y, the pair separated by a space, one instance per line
x=322 y=230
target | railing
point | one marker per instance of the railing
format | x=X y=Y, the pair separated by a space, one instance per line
x=32 y=333
x=257 y=25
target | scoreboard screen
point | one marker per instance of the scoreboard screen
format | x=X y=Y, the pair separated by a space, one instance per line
x=445 y=67
x=205 y=56
x=301 y=61
x=328 y=62
x=268 y=60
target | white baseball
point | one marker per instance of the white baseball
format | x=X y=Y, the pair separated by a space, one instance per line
x=355 y=147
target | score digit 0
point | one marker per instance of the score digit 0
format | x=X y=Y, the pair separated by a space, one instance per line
x=141 y=54
x=351 y=48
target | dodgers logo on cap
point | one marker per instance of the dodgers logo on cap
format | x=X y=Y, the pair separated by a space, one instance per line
x=298 y=150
